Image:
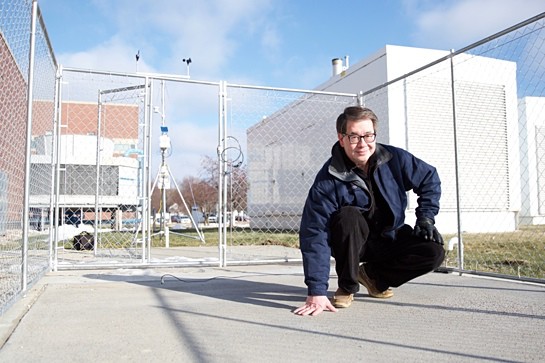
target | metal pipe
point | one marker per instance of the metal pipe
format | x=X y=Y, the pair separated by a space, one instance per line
x=221 y=148
x=185 y=79
x=53 y=198
x=223 y=217
x=144 y=218
x=57 y=136
x=454 y=53
x=26 y=201
x=97 y=178
x=164 y=223
x=297 y=90
x=201 y=262
x=456 y=168
x=147 y=158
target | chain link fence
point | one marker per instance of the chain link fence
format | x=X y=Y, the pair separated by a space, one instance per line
x=273 y=142
x=477 y=115
x=114 y=150
x=27 y=64
x=101 y=168
x=507 y=160
x=92 y=159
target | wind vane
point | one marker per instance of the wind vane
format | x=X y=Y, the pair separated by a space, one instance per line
x=137 y=59
x=187 y=61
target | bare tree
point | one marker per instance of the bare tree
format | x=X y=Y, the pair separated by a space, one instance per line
x=199 y=193
x=156 y=200
x=210 y=170
x=203 y=192
x=238 y=190
x=237 y=182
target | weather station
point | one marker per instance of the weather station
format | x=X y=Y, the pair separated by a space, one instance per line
x=163 y=182
x=173 y=77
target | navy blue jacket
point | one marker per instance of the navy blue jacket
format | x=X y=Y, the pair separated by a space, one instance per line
x=337 y=185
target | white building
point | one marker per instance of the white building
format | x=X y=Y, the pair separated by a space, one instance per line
x=118 y=174
x=532 y=137
x=415 y=113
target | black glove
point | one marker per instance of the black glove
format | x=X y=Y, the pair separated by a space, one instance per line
x=426 y=230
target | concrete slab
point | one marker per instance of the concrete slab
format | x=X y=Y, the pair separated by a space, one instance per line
x=244 y=313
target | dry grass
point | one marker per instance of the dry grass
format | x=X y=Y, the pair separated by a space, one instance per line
x=520 y=253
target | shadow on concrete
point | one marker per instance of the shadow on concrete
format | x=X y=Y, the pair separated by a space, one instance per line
x=235 y=288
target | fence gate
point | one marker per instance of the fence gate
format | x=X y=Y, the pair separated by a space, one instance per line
x=101 y=168
x=119 y=153
x=108 y=163
x=272 y=144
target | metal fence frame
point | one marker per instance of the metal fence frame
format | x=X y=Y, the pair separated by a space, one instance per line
x=146 y=257
x=485 y=46
x=226 y=129
x=34 y=259
x=30 y=65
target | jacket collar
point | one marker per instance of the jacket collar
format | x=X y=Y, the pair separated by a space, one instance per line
x=343 y=168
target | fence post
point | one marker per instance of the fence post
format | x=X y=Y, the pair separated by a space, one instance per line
x=456 y=169
x=148 y=121
x=55 y=166
x=30 y=90
x=222 y=185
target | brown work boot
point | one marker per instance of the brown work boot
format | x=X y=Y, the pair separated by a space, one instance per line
x=342 y=299
x=371 y=287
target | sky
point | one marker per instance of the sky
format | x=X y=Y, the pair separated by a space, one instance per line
x=275 y=43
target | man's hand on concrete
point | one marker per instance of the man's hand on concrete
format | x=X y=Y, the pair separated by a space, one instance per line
x=314 y=305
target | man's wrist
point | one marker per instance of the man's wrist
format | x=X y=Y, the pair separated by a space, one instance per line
x=317 y=292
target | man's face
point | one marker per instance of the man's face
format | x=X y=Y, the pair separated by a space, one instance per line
x=361 y=151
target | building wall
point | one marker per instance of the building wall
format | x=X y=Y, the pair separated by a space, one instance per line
x=119 y=124
x=486 y=114
x=118 y=121
x=532 y=162
x=13 y=117
x=282 y=153
x=415 y=109
x=42 y=117
x=119 y=176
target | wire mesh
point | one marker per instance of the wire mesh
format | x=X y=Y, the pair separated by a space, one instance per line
x=476 y=114
x=277 y=140
x=116 y=187
x=102 y=171
x=502 y=171
x=15 y=47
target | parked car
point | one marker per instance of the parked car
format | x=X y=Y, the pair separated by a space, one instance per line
x=180 y=219
x=212 y=218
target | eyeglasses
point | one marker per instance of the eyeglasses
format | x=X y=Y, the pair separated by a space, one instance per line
x=368 y=138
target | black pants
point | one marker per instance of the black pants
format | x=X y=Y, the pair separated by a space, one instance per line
x=389 y=263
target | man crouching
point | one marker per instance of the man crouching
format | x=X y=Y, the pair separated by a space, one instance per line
x=355 y=212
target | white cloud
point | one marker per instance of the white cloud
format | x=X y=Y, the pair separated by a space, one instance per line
x=190 y=143
x=113 y=55
x=165 y=32
x=455 y=24
x=207 y=31
x=271 y=42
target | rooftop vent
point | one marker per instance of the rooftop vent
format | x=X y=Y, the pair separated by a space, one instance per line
x=338 y=66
